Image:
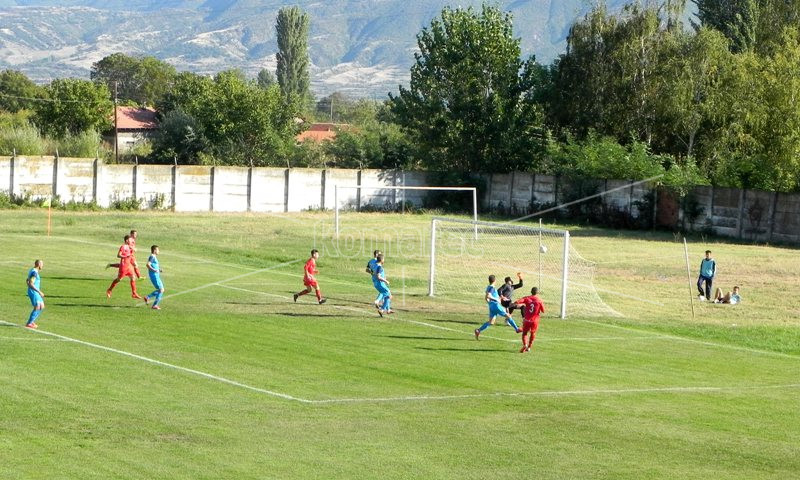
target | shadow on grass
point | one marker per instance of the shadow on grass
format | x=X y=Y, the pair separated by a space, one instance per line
x=100 y=305
x=306 y=315
x=412 y=337
x=452 y=349
x=83 y=279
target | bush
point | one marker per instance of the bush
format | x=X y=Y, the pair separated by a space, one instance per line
x=82 y=145
x=24 y=140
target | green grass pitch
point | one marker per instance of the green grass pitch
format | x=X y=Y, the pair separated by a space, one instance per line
x=231 y=379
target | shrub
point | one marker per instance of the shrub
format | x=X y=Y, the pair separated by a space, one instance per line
x=25 y=140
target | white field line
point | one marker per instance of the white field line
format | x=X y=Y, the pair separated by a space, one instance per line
x=701 y=342
x=370 y=314
x=561 y=393
x=165 y=364
x=416 y=398
x=24 y=339
x=201 y=287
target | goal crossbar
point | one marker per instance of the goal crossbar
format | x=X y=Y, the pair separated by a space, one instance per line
x=401 y=188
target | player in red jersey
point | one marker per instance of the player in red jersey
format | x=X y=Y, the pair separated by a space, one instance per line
x=126 y=268
x=132 y=244
x=309 y=280
x=532 y=306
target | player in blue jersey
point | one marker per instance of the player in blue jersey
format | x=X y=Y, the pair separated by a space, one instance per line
x=154 y=271
x=372 y=265
x=35 y=293
x=493 y=300
x=372 y=262
x=384 y=301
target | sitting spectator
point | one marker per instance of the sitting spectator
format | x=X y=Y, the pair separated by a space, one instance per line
x=731 y=297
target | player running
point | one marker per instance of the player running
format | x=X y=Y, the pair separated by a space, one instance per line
x=132 y=243
x=495 y=310
x=154 y=272
x=372 y=261
x=531 y=306
x=125 y=268
x=384 y=301
x=35 y=294
x=309 y=280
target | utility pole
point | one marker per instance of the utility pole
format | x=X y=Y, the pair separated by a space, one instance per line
x=116 y=124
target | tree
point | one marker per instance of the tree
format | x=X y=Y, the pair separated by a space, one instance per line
x=469 y=103
x=738 y=20
x=17 y=91
x=692 y=72
x=139 y=80
x=606 y=81
x=292 y=34
x=265 y=78
x=236 y=121
x=73 y=106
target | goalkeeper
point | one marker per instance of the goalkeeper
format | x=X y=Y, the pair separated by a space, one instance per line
x=507 y=291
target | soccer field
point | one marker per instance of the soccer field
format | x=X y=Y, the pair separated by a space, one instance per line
x=231 y=379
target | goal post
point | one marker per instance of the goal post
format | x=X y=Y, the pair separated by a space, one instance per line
x=402 y=188
x=461 y=261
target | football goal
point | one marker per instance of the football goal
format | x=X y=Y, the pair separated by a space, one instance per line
x=347 y=197
x=464 y=253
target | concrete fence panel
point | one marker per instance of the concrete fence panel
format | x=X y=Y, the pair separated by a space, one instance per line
x=268 y=189
x=193 y=189
x=231 y=189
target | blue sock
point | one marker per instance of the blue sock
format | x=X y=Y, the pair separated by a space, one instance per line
x=34 y=315
x=157 y=294
x=484 y=326
x=387 y=303
x=511 y=323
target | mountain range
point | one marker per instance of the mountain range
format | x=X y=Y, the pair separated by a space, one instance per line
x=358 y=47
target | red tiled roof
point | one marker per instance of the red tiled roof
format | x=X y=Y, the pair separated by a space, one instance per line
x=135 y=118
x=319 y=132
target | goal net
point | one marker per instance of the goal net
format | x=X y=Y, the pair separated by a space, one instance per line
x=355 y=197
x=464 y=253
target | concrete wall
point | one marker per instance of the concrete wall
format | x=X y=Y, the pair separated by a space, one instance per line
x=745 y=214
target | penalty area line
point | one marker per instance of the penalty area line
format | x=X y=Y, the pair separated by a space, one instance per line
x=165 y=364
x=201 y=287
x=558 y=393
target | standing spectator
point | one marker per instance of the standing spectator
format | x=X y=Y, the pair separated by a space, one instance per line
x=708 y=268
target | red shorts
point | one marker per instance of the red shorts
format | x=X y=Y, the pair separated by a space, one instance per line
x=310 y=283
x=530 y=325
x=126 y=271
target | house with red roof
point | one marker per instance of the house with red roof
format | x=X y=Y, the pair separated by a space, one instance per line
x=134 y=125
x=320 y=132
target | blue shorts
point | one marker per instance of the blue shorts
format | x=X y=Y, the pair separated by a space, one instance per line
x=495 y=309
x=383 y=289
x=156 y=281
x=36 y=299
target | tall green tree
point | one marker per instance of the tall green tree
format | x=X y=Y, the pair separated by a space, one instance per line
x=692 y=71
x=17 y=91
x=73 y=106
x=606 y=81
x=141 y=80
x=235 y=120
x=469 y=103
x=738 y=20
x=292 y=29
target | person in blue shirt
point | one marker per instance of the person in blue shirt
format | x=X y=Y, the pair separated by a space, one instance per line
x=384 y=301
x=731 y=297
x=35 y=293
x=372 y=262
x=494 y=301
x=708 y=268
x=154 y=271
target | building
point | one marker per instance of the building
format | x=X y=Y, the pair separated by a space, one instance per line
x=134 y=125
